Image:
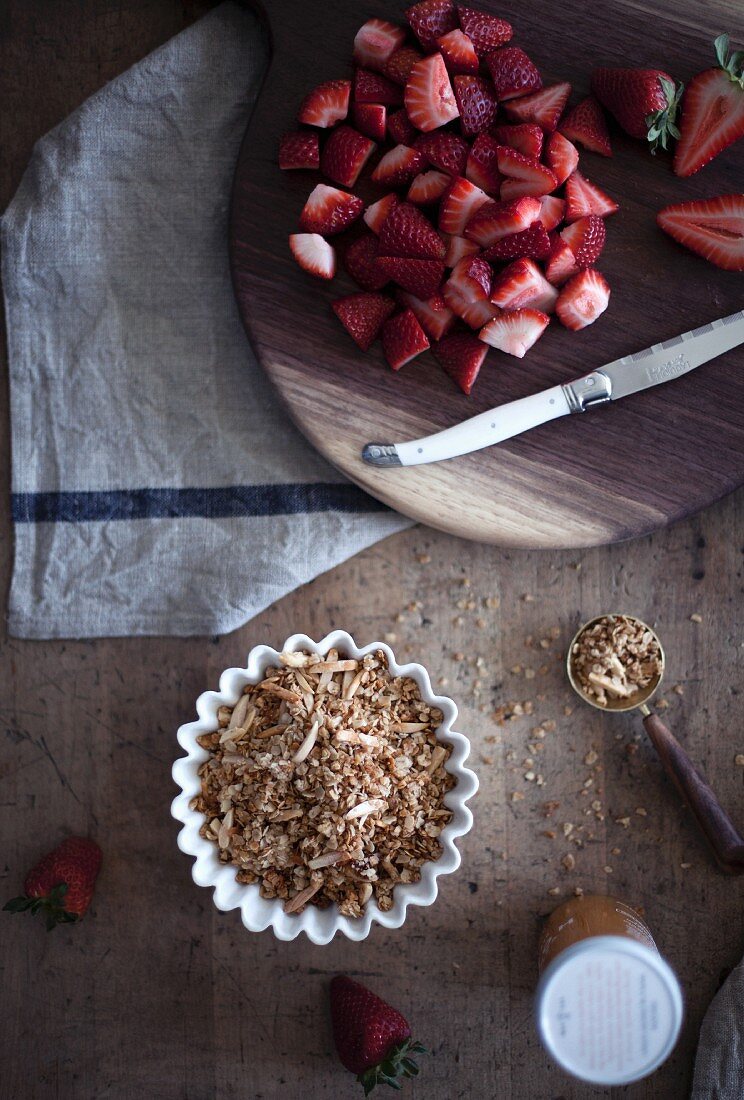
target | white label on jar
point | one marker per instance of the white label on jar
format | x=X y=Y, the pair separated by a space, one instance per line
x=609 y=1010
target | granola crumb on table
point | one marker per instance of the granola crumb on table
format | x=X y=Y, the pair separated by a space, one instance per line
x=325 y=782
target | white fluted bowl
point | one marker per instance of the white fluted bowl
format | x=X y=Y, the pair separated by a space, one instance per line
x=320 y=925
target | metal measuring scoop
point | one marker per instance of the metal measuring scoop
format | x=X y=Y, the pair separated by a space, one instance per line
x=715 y=824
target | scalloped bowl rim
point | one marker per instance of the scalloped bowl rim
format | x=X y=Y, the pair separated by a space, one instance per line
x=320 y=925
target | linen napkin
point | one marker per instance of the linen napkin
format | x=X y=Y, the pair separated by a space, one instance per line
x=719 y=1065
x=157 y=486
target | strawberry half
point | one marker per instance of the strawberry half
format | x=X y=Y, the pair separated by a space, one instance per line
x=561 y=263
x=429 y=99
x=644 y=102
x=458 y=205
x=402 y=340
x=544 y=108
x=345 y=153
x=476 y=102
x=300 y=149
x=359 y=261
x=421 y=277
x=398 y=66
x=375 y=214
x=433 y=314
x=466 y=291
x=515 y=332
x=458 y=53
x=525 y=176
x=522 y=284
x=713 y=228
x=327 y=104
x=60 y=886
x=712 y=111
x=372 y=1039
x=552 y=210
x=561 y=157
x=314 y=254
x=407 y=232
x=512 y=72
x=461 y=355
x=431 y=19
x=372 y=87
x=371 y=119
x=584 y=197
x=481 y=167
x=494 y=220
x=399 y=165
x=363 y=315
x=585 y=123
x=375 y=42
x=428 y=187
x=486 y=32
x=446 y=151
x=531 y=243
x=525 y=137
x=586 y=239
x=400 y=129
x=457 y=249
x=329 y=210
x=582 y=300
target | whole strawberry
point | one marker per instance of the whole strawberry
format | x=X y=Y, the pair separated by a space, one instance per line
x=373 y=1040
x=644 y=102
x=61 y=884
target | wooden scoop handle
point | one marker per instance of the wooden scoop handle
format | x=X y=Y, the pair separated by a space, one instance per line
x=716 y=825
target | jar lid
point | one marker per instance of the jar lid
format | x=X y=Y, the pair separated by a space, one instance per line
x=609 y=1010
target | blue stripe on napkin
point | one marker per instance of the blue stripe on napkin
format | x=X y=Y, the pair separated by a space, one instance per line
x=231 y=500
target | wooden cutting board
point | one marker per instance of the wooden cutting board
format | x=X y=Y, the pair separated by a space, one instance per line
x=611 y=474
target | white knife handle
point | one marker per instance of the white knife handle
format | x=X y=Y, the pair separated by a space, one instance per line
x=487 y=428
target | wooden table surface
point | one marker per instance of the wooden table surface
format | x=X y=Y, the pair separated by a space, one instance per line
x=158 y=994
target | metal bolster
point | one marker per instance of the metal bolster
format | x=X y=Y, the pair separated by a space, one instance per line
x=592 y=389
x=381 y=454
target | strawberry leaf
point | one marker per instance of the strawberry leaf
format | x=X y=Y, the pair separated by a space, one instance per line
x=662 y=125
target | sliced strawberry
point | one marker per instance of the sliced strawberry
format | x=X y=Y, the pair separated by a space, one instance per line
x=512 y=72
x=327 y=104
x=359 y=261
x=375 y=214
x=586 y=124
x=526 y=176
x=459 y=204
x=329 y=210
x=532 y=243
x=714 y=228
x=515 y=332
x=345 y=153
x=431 y=19
x=476 y=102
x=472 y=278
x=314 y=254
x=428 y=187
x=398 y=67
x=375 y=42
x=487 y=32
x=433 y=314
x=300 y=149
x=561 y=157
x=712 y=111
x=561 y=263
x=403 y=339
x=421 y=277
x=521 y=284
x=526 y=138
x=446 y=151
x=399 y=166
x=429 y=98
x=407 y=232
x=462 y=356
x=583 y=299
x=481 y=167
x=371 y=87
x=457 y=249
x=400 y=129
x=458 y=53
x=586 y=239
x=495 y=220
x=552 y=210
x=475 y=312
x=363 y=315
x=371 y=119
x=543 y=108
x=584 y=197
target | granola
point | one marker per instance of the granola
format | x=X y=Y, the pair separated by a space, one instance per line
x=615 y=658
x=325 y=782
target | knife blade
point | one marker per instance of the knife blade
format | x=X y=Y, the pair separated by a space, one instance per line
x=632 y=374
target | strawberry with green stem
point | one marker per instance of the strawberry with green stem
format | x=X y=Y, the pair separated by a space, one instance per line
x=712 y=111
x=60 y=886
x=643 y=101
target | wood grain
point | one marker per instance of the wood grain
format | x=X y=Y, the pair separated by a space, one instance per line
x=158 y=994
x=613 y=474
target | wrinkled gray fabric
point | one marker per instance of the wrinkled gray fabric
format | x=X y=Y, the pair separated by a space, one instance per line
x=719 y=1064
x=130 y=371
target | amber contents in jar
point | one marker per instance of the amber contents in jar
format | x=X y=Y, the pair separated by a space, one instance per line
x=594 y=915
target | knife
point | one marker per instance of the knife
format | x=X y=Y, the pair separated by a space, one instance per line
x=631 y=374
